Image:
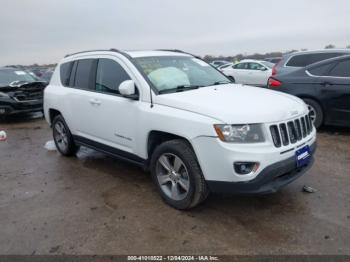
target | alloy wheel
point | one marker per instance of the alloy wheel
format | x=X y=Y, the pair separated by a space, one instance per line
x=312 y=113
x=61 y=136
x=172 y=176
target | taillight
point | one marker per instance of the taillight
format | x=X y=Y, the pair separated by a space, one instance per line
x=274 y=71
x=273 y=83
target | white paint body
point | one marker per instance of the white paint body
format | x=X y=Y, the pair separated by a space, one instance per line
x=249 y=76
x=189 y=114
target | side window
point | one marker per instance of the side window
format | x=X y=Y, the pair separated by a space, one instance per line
x=320 y=70
x=241 y=66
x=109 y=76
x=342 y=69
x=84 y=74
x=255 y=66
x=65 y=71
x=308 y=59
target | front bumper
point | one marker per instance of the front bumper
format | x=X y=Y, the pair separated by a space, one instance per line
x=270 y=179
x=11 y=107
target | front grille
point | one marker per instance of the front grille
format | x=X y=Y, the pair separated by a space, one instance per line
x=291 y=132
x=28 y=96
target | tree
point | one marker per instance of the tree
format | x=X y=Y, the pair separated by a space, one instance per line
x=330 y=46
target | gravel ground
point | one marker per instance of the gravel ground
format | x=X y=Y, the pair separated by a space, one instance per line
x=94 y=204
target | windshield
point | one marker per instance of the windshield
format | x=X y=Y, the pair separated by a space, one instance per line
x=13 y=77
x=267 y=64
x=179 y=73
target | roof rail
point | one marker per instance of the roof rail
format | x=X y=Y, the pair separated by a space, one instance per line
x=178 y=51
x=97 y=50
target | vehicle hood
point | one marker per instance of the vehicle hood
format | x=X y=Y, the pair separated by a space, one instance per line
x=28 y=87
x=236 y=104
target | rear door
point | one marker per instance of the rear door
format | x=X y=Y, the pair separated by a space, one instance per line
x=258 y=74
x=239 y=72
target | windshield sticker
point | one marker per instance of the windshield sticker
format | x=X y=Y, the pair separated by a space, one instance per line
x=20 y=73
x=200 y=62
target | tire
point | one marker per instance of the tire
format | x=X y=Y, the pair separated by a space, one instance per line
x=316 y=112
x=63 y=138
x=185 y=176
x=232 y=79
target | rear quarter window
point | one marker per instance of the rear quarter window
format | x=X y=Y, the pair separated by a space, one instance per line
x=308 y=59
x=65 y=70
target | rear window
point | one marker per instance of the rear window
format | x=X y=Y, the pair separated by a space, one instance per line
x=308 y=59
x=65 y=70
x=241 y=66
x=83 y=74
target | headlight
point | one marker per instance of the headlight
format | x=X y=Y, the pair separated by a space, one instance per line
x=240 y=133
x=3 y=94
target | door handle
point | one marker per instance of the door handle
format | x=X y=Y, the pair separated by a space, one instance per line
x=327 y=84
x=94 y=101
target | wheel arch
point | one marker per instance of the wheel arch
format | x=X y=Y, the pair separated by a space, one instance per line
x=157 y=137
x=52 y=114
x=306 y=96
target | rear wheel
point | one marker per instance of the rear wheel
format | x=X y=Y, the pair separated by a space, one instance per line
x=177 y=175
x=63 y=138
x=315 y=112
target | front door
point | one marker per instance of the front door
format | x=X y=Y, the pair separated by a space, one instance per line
x=101 y=114
x=335 y=90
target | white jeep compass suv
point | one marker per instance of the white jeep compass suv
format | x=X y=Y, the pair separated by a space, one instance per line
x=182 y=119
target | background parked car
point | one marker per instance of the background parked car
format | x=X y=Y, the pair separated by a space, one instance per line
x=273 y=60
x=20 y=92
x=224 y=66
x=218 y=63
x=325 y=88
x=46 y=76
x=250 y=72
x=294 y=61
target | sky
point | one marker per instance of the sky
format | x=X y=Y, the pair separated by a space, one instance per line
x=43 y=31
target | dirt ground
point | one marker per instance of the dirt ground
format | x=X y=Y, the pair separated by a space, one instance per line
x=94 y=204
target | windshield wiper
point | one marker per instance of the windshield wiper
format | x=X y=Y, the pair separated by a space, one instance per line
x=179 y=88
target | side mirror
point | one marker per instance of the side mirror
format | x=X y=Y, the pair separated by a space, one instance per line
x=263 y=69
x=128 y=90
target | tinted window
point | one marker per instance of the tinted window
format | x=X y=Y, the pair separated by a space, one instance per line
x=308 y=59
x=83 y=74
x=241 y=66
x=109 y=76
x=255 y=66
x=342 y=69
x=65 y=70
x=320 y=70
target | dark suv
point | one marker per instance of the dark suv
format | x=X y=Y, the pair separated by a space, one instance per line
x=20 y=92
x=294 y=61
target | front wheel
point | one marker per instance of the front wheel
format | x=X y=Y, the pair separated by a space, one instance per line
x=233 y=80
x=315 y=112
x=63 y=138
x=177 y=175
